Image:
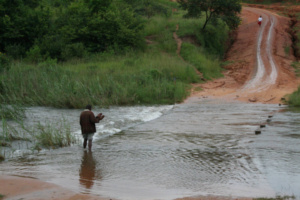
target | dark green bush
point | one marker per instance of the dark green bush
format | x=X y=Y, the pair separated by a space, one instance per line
x=66 y=29
x=4 y=62
x=16 y=51
x=34 y=54
x=294 y=99
x=75 y=50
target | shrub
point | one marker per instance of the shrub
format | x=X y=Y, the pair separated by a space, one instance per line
x=294 y=99
x=4 y=62
x=75 y=50
x=195 y=55
x=16 y=51
x=34 y=54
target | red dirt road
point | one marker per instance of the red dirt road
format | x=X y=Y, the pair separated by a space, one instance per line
x=260 y=62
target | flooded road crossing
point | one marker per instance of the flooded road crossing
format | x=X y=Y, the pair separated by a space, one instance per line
x=203 y=147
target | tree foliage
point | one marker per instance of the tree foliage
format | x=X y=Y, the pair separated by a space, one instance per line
x=227 y=10
x=20 y=24
x=148 y=8
x=65 y=28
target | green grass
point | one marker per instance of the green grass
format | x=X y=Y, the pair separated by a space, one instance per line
x=296 y=66
x=277 y=198
x=146 y=78
x=2 y=196
x=294 y=99
x=13 y=111
x=48 y=135
x=53 y=136
x=287 y=50
x=209 y=67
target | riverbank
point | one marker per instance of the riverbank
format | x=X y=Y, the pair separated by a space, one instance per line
x=13 y=187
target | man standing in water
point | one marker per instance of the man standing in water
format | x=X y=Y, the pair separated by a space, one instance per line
x=88 y=127
x=259 y=20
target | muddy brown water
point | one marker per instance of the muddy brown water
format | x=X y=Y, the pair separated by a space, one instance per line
x=202 y=147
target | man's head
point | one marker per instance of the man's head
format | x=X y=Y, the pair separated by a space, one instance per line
x=88 y=107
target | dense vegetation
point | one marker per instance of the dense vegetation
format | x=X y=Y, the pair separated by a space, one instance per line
x=294 y=99
x=70 y=53
x=64 y=29
x=225 y=10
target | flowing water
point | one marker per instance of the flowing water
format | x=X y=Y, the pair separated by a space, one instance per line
x=202 y=147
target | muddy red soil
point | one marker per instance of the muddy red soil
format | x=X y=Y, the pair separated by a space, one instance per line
x=250 y=77
x=260 y=62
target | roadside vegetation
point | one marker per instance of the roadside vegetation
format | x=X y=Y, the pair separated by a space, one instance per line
x=277 y=198
x=294 y=99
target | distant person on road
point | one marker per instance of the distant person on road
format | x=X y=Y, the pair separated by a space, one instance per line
x=259 y=20
x=88 y=127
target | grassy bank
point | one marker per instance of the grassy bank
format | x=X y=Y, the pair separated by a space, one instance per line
x=155 y=75
x=294 y=99
x=146 y=78
x=277 y=198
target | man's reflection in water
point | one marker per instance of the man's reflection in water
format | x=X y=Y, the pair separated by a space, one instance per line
x=87 y=170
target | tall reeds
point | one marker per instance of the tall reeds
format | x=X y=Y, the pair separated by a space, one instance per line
x=131 y=79
x=39 y=136
x=53 y=136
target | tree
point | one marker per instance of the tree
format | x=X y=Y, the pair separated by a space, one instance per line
x=227 y=10
x=21 y=22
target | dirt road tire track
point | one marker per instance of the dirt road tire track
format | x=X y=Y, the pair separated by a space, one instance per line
x=260 y=69
x=266 y=69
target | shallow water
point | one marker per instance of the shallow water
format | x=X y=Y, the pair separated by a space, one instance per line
x=203 y=147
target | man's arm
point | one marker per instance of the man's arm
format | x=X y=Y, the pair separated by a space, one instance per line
x=100 y=116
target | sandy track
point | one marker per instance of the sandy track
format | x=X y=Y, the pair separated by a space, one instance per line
x=263 y=80
x=260 y=69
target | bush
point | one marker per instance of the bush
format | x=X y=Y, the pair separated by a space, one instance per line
x=213 y=39
x=34 y=54
x=294 y=99
x=4 y=63
x=195 y=55
x=15 y=51
x=76 y=50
